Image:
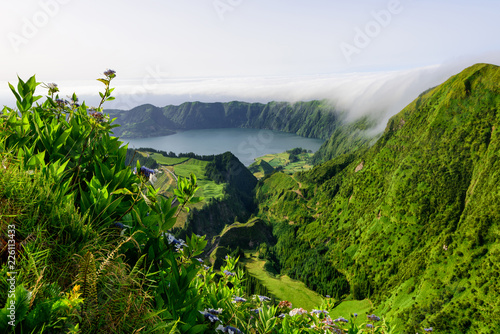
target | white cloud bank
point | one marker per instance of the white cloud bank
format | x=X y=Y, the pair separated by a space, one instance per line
x=380 y=93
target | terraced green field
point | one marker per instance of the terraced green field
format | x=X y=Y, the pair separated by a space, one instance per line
x=210 y=189
x=197 y=167
x=282 y=160
x=183 y=167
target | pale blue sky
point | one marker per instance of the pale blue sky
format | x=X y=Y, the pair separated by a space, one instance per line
x=155 y=45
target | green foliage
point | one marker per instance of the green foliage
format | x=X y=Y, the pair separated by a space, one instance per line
x=63 y=183
x=77 y=140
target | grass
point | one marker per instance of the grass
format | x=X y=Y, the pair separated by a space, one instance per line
x=282 y=159
x=197 y=167
x=283 y=287
x=210 y=189
x=348 y=307
x=168 y=161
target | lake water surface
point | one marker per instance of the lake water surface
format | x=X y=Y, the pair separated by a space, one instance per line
x=246 y=144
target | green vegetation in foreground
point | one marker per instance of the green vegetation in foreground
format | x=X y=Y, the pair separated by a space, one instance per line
x=283 y=287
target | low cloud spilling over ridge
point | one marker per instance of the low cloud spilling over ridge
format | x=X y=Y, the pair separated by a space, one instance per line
x=357 y=94
x=364 y=93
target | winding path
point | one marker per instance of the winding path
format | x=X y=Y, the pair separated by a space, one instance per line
x=173 y=174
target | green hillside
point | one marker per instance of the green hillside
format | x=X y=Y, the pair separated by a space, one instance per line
x=261 y=168
x=413 y=221
x=347 y=138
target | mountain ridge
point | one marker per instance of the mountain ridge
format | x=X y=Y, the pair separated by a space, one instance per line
x=410 y=222
x=316 y=119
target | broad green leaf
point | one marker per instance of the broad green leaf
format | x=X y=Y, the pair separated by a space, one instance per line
x=122 y=191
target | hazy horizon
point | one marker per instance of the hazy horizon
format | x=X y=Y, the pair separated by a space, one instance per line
x=364 y=57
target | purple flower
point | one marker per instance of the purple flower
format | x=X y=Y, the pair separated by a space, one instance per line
x=109 y=73
x=228 y=329
x=318 y=312
x=369 y=325
x=213 y=311
x=373 y=317
x=237 y=299
x=121 y=225
x=264 y=298
x=209 y=316
x=97 y=115
x=228 y=273
x=297 y=311
x=52 y=87
x=430 y=329
x=341 y=319
x=146 y=171
x=177 y=243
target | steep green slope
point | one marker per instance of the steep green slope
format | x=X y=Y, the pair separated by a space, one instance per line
x=413 y=221
x=236 y=204
x=261 y=168
x=316 y=119
x=143 y=121
x=347 y=138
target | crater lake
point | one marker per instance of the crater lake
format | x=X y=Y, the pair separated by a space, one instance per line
x=246 y=144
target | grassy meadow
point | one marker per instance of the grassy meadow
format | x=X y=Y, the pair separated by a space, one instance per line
x=283 y=287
